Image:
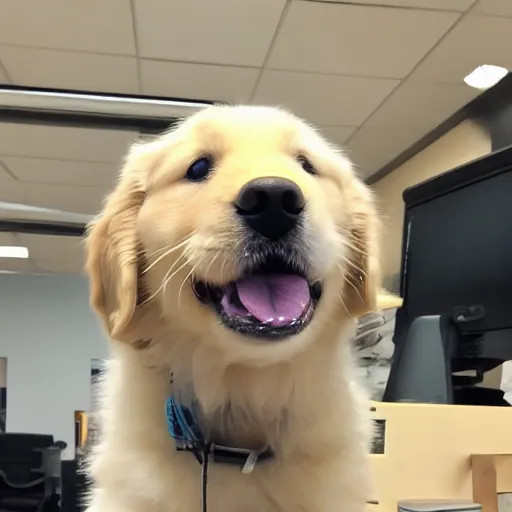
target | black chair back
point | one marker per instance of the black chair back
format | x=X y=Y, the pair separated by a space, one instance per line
x=29 y=472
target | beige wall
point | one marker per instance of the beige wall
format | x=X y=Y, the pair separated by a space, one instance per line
x=463 y=143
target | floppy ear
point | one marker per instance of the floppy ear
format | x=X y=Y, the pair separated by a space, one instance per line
x=363 y=272
x=113 y=251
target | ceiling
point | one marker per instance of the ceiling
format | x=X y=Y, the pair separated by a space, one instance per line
x=374 y=76
x=66 y=255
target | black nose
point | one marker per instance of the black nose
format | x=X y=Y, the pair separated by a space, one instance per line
x=270 y=206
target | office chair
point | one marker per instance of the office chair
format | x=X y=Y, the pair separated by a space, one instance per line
x=30 y=473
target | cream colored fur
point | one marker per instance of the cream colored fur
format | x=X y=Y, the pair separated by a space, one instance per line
x=299 y=396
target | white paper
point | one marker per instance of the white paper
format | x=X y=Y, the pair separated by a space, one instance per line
x=506 y=381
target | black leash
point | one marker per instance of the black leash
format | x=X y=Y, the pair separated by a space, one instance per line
x=204 y=477
x=185 y=431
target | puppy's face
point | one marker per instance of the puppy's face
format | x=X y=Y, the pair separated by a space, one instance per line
x=242 y=227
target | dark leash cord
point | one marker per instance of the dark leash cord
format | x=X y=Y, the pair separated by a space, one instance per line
x=204 y=476
x=202 y=453
x=188 y=437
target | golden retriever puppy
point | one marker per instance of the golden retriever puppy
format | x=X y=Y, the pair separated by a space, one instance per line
x=228 y=266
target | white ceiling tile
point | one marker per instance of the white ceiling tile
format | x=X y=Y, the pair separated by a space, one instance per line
x=95 y=25
x=324 y=99
x=494 y=7
x=372 y=148
x=4 y=170
x=60 y=265
x=197 y=81
x=67 y=198
x=64 y=143
x=4 y=79
x=64 y=197
x=62 y=172
x=9 y=239
x=421 y=105
x=447 y=5
x=474 y=41
x=337 y=134
x=43 y=246
x=9 y=187
x=70 y=70
x=221 y=32
x=14 y=264
x=356 y=40
x=55 y=254
x=47 y=254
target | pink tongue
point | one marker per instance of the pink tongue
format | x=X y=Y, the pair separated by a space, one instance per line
x=274 y=299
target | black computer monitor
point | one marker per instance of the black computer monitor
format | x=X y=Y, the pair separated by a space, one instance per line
x=456 y=274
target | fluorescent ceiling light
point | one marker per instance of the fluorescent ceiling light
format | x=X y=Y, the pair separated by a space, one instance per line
x=99 y=104
x=485 y=77
x=9 y=251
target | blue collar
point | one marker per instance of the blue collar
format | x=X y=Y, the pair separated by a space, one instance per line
x=184 y=429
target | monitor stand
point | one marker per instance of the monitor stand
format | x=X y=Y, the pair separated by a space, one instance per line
x=421 y=370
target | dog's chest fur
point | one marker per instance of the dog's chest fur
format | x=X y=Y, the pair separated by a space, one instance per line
x=309 y=412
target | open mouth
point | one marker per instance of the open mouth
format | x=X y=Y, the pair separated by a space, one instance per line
x=273 y=301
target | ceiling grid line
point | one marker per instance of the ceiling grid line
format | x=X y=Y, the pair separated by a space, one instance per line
x=5 y=167
x=55 y=159
x=331 y=73
x=3 y=70
x=136 y=41
x=440 y=40
x=384 y=5
x=284 y=12
x=202 y=63
x=374 y=79
x=63 y=50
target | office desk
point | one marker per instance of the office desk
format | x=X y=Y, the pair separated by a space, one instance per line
x=431 y=452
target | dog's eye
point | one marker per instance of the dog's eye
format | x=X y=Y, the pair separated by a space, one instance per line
x=200 y=169
x=306 y=164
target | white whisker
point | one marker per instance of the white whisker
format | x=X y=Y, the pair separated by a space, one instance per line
x=340 y=296
x=346 y=278
x=223 y=267
x=183 y=283
x=154 y=254
x=354 y=248
x=165 y=280
x=166 y=253
x=163 y=249
x=343 y=304
x=353 y=265
x=190 y=274
x=210 y=266
x=349 y=281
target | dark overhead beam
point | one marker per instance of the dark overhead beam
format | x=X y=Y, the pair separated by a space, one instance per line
x=35 y=227
x=30 y=105
x=98 y=110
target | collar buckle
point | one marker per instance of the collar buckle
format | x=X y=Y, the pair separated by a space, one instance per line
x=185 y=431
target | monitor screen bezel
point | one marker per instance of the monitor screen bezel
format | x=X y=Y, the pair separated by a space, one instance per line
x=445 y=183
